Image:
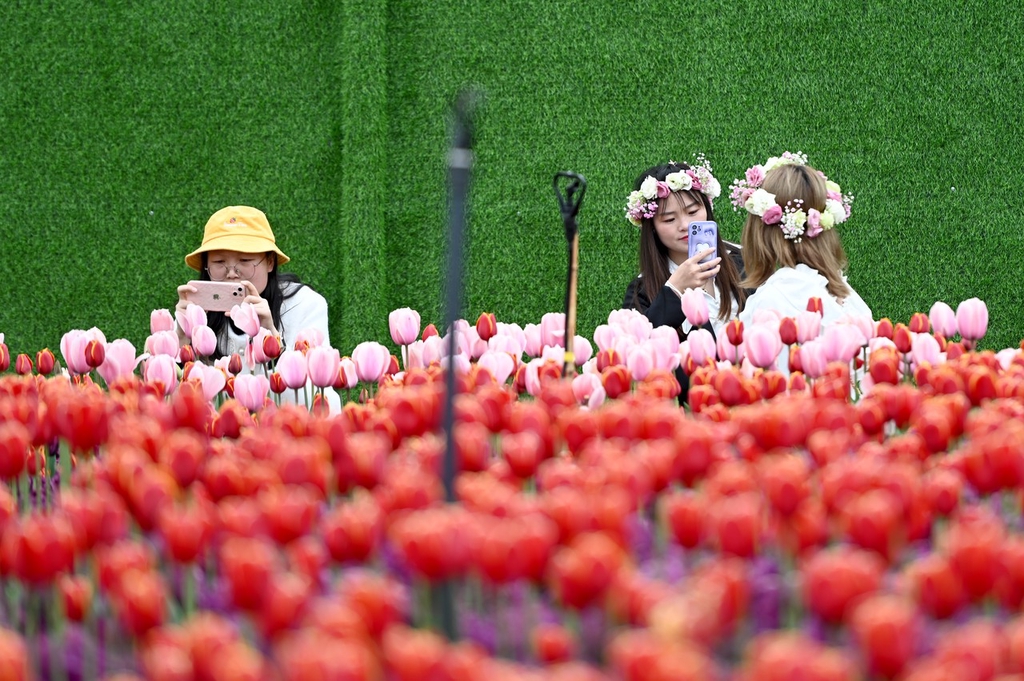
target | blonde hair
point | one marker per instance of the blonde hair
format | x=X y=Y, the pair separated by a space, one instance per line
x=766 y=248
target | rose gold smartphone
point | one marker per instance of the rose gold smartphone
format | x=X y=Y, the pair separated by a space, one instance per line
x=216 y=296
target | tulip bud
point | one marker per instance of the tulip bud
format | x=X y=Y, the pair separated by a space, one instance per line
x=794 y=359
x=616 y=380
x=76 y=596
x=734 y=331
x=271 y=348
x=884 y=328
x=187 y=354
x=45 y=362
x=429 y=331
x=5 y=357
x=277 y=383
x=300 y=345
x=902 y=338
x=95 y=353
x=235 y=364
x=486 y=326
x=23 y=365
x=814 y=305
x=393 y=367
x=787 y=330
x=919 y=322
x=229 y=387
x=607 y=358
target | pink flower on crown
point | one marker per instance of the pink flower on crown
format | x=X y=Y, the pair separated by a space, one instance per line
x=663 y=190
x=813 y=223
x=755 y=176
x=773 y=215
x=835 y=196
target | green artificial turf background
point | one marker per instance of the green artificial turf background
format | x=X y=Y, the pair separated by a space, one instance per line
x=125 y=125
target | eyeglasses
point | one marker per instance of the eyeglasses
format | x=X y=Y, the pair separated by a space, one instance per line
x=244 y=269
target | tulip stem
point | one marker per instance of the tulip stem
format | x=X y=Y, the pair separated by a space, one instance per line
x=188 y=590
x=58 y=649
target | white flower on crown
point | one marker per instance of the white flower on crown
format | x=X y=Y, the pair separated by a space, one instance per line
x=836 y=210
x=649 y=188
x=636 y=198
x=832 y=187
x=680 y=181
x=712 y=188
x=759 y=202
x=827 y=220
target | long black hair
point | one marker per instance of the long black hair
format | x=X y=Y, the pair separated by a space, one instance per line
x=280 y=287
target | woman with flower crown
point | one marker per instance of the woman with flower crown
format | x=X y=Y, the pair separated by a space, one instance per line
x=665 y=200
x=791 y=248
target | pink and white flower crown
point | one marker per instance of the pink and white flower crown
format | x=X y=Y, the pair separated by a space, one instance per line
x=794 y=221
x=643 y=202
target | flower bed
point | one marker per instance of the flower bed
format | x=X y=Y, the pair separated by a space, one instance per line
x=858 y=519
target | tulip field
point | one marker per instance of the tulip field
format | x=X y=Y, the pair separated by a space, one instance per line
x=165 y=515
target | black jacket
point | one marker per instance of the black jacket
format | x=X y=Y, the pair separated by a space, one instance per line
x=666 y=310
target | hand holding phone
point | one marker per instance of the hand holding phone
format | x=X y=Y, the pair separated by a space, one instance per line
x=216 y=296
x=703 y=235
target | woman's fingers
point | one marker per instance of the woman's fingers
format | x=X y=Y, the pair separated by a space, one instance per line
x=250 y=289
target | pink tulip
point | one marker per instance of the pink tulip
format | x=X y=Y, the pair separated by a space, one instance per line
x=943 y=319
x=254 y=351
x=865 y=324
x=499 y=364
x=192 y=317
x=513 y=332
x=224 y=364
x=552 y=330
x=640 y=361
x=605 y=335
x=210 y=378
x=924 y=349
x=684 y=352
x=808 y=326
x=532 y=377
x=507 y=344
x=582 y=350
x=204 y=340
x=163 y=343
x=762 y=344
x=622 y=318
x=639 y=327
x=251 y=390
x=695 y=307
x=462 y=363
x=119 y=361
x=766 y=316
x=1006 y=357
x=972 y=319
x=533 y=345
x=841 y=342
x=414 y=356
x=72 y=347
x=584 y=385
x=291 y=365
x=702 y=346
x=372 y=360
x=404 y=324
x=434 y=349
x=160 y=320
x=469 y=342
x=161 y=369
x=312 y=336
x=553 y=352
x=597 y=398
x=245 y=317
x=348 y=368
x=813 y=358
x=323 y=364
x=665 y=341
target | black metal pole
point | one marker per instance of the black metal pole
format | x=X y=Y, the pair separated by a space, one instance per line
x=460 y=161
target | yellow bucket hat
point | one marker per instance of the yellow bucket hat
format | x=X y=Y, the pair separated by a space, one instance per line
x=236 y=228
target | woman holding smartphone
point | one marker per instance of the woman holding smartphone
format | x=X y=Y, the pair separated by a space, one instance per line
x=665 y=201
x=239 y=247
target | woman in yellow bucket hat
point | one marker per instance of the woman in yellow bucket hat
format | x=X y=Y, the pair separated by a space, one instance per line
x=239 y=245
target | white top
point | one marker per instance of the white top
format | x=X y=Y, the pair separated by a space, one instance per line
x=307 y=309
x=714 y=302
x=787 y=292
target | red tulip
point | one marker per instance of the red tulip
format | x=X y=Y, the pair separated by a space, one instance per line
x=45 y=362
x=787 y=330
x=887 y=630
x=734 y=331
x=973 y=542
x=413 y=654
x=616 y=380
x=874 y=521
x=5 y=358
x=311 y=655
x=185 y=531
x=76 y=596
x=289 y=511
x=978 y=644
x=379 y=601
x=685 y=515
x=523 y=452
x=581 y=572
x=784 y=480
x=277 y=384
x=784 y=656
x=14 y=659
x=352 y=531
x=248 y=565
x=607 y=358
x=23 y=365
x=37 y=548
x=935 y=587
x=835 y=578
x=919 y=323
x=486 y=326
x=284 y=603
x=141 y=601
x=552 y=643
x=15 y=443
x=943 y=488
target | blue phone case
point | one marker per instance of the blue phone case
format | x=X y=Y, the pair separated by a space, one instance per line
x=703 y=235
